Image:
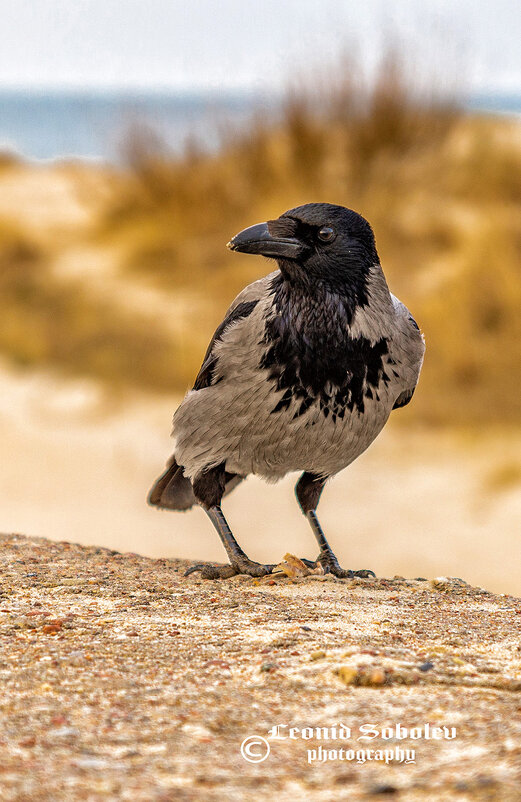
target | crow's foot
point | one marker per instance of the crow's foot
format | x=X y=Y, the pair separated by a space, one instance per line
x=246 y=566
x=331 y=566
x=252 y=568
x=212 y=571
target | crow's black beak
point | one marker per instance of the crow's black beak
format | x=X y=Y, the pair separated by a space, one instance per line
x=257 y=239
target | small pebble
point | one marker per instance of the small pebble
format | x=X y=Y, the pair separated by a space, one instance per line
x=347 y=674
x=268 y=667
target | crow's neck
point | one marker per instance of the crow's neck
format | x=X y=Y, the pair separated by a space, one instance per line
x=330 y=287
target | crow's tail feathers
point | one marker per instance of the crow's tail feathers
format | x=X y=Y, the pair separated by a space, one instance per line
x=173 y=490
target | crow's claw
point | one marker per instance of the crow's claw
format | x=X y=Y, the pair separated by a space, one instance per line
x=212 y=571
x=247 y=567
x=364 y=573
x=331 y=566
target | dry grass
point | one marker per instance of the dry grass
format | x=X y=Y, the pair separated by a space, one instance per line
x=59 y=326
x=441 y=188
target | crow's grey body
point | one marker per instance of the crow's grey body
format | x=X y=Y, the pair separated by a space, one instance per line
x=232 y=421
x=302 y=374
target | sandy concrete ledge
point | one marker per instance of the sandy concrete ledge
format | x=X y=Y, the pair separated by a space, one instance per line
x=120 y=679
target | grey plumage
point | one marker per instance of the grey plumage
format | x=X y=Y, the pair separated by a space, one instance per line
x=305 y=369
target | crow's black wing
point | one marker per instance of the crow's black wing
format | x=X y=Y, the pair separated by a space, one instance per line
x=242 y=306
x=205 y=376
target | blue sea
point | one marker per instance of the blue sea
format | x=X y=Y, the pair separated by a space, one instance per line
x=95 y=126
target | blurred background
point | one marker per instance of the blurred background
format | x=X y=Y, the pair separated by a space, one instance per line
x=136 y=138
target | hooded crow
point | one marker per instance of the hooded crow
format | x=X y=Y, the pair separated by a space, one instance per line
x=301 y=375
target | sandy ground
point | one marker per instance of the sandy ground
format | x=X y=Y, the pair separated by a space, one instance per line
x=414 y=504
x=122 y=680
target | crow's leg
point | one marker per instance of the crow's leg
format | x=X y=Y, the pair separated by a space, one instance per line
x=208 y=490
x=308 y=490
x=239 y=561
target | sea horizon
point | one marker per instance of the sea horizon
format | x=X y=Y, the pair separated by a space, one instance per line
x=46 y=124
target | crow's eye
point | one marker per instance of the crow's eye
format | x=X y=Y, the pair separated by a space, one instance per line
x=326 y=234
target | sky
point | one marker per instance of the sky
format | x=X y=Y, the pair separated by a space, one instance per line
x=249 y=44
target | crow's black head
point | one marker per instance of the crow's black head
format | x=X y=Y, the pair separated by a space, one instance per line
x=315 y=243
